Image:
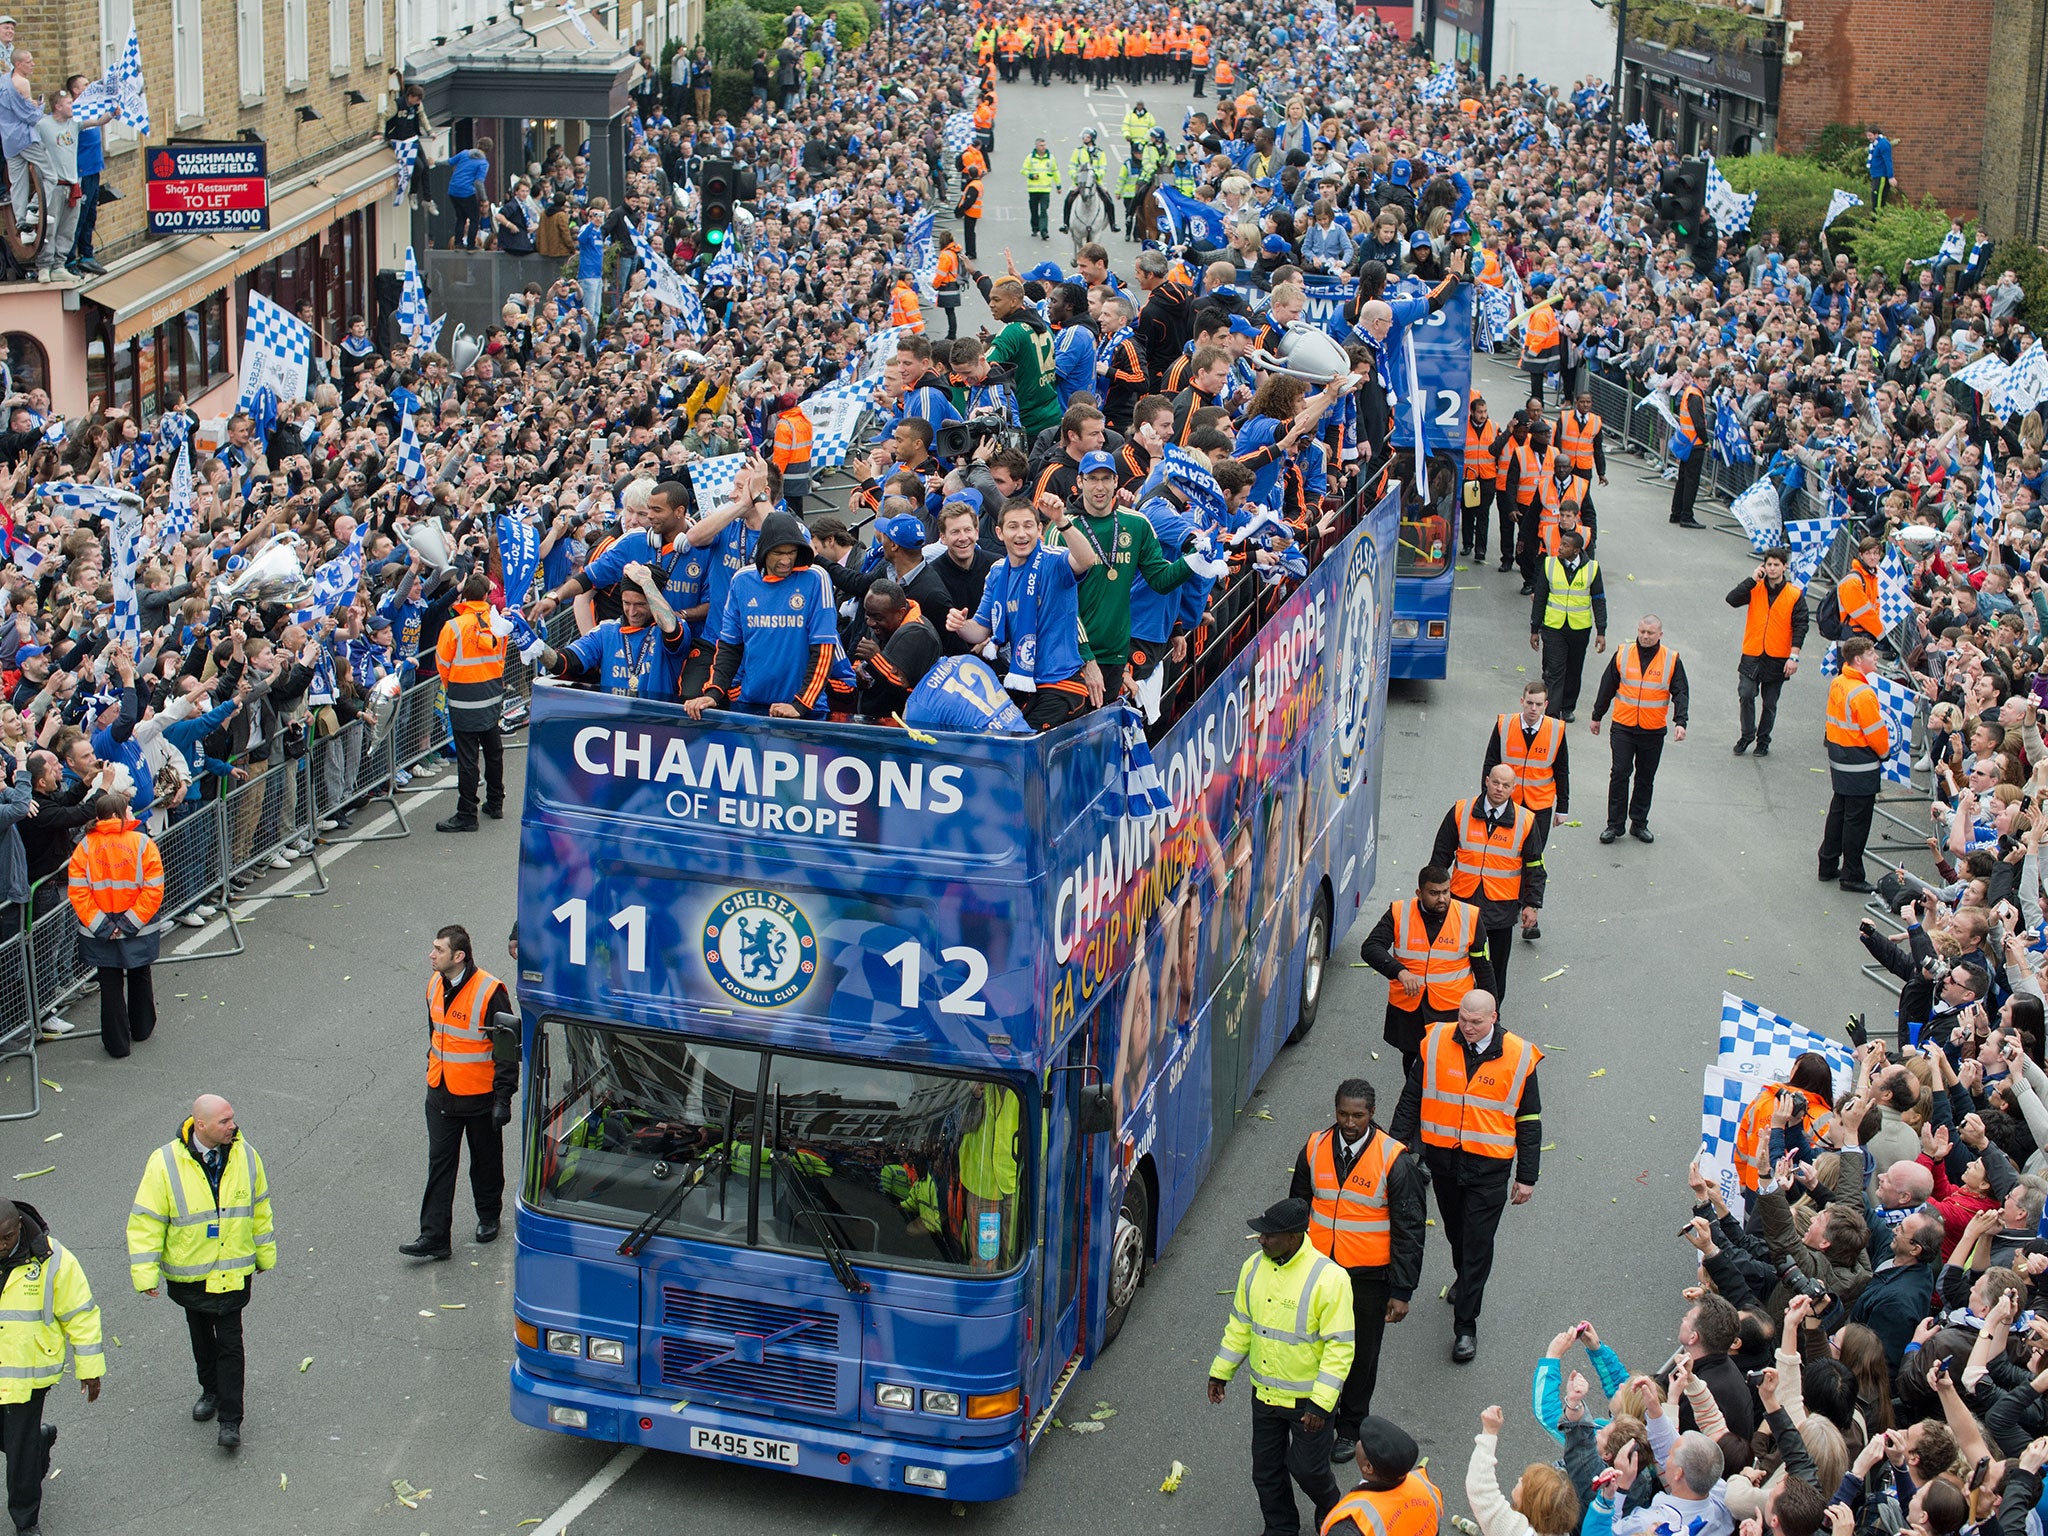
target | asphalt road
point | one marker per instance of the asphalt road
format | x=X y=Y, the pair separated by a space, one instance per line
x=315 y=1034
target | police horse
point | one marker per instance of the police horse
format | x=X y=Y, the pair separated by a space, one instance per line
x=1090 y=214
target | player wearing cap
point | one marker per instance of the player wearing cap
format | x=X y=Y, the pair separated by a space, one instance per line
x=1126 y=551
x=1291 y=1319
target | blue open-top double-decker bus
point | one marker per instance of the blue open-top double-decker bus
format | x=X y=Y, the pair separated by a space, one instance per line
x=866 y=1069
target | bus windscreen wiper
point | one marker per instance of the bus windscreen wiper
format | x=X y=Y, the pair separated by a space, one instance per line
x=807 y=1207
x=694 y=1170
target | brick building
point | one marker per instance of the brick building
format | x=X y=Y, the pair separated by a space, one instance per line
x=313 y=81
x=1734 y=81
x=2014 y=179
x=1917 y=69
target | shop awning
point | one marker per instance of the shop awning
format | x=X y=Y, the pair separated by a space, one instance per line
x=175 y=277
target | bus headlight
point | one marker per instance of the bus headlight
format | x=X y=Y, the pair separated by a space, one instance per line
x=925 y=1477
x=560 y=1343
x=942 y=1402
x=568 y=1418
x=608 y=1351
x=1405 y=629
x=890 y=1395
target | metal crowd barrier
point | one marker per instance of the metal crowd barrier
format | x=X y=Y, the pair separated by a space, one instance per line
x=218 y=845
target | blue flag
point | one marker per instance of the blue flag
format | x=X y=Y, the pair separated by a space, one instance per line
x=1731 y=436
x=1187 y=220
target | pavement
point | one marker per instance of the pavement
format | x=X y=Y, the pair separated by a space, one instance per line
x=366 y=1368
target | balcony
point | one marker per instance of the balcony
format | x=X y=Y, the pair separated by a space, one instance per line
x=1715 y=47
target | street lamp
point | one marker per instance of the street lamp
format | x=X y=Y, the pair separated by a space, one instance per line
x=1614 y=96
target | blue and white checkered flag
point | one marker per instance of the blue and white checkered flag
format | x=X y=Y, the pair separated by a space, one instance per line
x=28 y=560
x=1139 y=793
x=713 y=479
x=1831 y=660
x=1638 y=134
x=1898 y=703
x=1494 y=313
x=408 y=153
x=277 y=354
x=125 y=548
x=1731 y=435
x=412 y=464
x=1986 y=376
x=959 y=133
x=1894 y=590
x=88 y=500
x=1725 y=1097
x=335 y=582
x=1808 y=538
x=179 y=512
x=1838 y=205
x=835 y=413
x=411 y=316
x=1760 y=1044
x=663 y=281
x=1990 y=512
x=54 y=432
x=1609 y=225
x=2026 y=382
x=1730 y=210
x=120 y=90
x=725 y=266
x=1439 y=89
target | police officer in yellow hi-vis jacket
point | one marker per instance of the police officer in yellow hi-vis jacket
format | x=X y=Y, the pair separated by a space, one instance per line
x=1291 y=1318
x=201 y=1225
x=45 y=1307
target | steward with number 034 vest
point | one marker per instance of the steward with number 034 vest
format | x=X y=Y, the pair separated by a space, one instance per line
x=185 y=1229
x=471 y=658
x=1495 y=855
x=1371 y=1216
x=46 y=1310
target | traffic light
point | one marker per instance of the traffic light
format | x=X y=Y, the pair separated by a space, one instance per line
x=716 y=183
x=1681 y=201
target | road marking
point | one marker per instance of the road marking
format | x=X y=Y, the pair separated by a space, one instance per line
x=599 y=1485
x=246 y=908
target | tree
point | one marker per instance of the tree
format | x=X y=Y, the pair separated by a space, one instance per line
x=732 y=33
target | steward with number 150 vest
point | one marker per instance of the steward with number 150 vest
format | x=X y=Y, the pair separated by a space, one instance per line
x=1474 y=1108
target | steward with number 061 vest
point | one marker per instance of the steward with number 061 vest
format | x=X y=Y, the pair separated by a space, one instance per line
x=1446 y=948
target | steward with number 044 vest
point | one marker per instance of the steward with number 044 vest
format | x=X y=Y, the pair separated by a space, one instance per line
x=1439 y=944
x=1368 y=1210
x=46 y=1312
x=1494 y=850
x=1472 y=1101
x=472 y=1073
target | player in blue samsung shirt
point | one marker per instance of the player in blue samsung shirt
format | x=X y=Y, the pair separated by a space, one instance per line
x=681 y=566
x=1030 y=608
x=963 y=693
x=778 y=638
x=640 y=654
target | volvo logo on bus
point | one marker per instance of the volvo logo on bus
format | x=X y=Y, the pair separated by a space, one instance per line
x=1358 y=631
x=760 y=948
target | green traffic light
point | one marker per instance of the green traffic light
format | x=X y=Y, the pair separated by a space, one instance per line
x=714 y=237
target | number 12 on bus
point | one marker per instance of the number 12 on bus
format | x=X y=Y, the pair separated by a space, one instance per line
x=1425 y=565
x=846 y=1148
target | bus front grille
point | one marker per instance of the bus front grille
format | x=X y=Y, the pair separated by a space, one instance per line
x=730 y=1346
x=791 y=1380
x=700 y=1311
